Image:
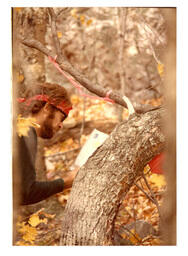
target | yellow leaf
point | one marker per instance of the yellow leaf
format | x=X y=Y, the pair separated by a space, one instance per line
x=22 y=243
x=134 y=237
x=146 y=169
x=156 y=241
x=20 y=77
x=74 y=13
x=82 y=19
x=89 y=22
x=59 y=34
x=124 y=235
x=30 y=236
x=29 y=233
x=158 y=180
x=35 y=220
x=160 y=68
x=24 y=124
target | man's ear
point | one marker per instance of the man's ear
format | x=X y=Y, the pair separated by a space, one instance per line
x=47 y=107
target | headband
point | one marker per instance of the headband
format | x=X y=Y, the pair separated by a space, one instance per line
x=42 y=97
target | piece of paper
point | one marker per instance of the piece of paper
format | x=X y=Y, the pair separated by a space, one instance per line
x=94 y=141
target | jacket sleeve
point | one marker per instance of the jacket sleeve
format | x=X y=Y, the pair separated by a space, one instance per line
x=40 y=190
x=33 y=191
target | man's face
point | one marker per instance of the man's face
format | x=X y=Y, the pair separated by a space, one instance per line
x=51 y=122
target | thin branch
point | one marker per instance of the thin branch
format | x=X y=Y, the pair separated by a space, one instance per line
x=152 y=197
x=145 y=193
x=63 y=11
x=62 y=153
x=152 y=194
x=122 y=21
x=54 y=34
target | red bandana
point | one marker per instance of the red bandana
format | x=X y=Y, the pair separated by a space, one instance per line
x=62 y=106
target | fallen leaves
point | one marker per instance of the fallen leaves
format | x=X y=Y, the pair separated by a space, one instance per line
x=28 y=234
x=44 y=229
x=34 y=220
x=29 y=230
x=137 y=206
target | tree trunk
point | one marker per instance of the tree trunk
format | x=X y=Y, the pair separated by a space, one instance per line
x=102 y=183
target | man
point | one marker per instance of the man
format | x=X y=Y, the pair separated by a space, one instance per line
x=49 y=105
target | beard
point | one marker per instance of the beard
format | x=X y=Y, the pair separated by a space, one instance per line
x=46 y=130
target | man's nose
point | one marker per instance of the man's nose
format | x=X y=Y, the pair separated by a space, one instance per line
x=61 y=125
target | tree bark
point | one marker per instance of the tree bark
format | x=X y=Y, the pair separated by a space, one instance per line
x=102 y=183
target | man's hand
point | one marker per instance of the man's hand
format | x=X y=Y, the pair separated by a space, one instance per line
x=69 y=177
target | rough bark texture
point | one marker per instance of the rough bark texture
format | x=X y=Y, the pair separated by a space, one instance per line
x=104 y=180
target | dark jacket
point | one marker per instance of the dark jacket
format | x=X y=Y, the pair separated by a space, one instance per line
x=33 y=191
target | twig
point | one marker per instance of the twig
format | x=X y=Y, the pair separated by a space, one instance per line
x=145 y=193
x=152 y=194
x=122 y=18
x=152 y=197
x=62 y=153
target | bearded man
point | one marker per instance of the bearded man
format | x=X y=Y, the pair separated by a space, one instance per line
x=49 y=105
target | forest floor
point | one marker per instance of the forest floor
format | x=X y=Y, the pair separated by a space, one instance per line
x=137 y=222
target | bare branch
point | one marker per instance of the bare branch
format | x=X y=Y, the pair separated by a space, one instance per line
x=63 y=11
x=36 y=45
x=152 y=194
x=84 y=81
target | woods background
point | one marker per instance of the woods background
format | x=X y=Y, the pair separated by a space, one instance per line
x=130 y=51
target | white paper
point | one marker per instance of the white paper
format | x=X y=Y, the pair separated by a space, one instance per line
x=94 y=141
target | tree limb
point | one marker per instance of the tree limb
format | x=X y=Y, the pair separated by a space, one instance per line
x=82 y=79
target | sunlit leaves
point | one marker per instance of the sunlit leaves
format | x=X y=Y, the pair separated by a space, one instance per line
x=146 y=169
x=82 y=18
x=35 y=220
x=18 y=9
x=23 y=125
x=20 y=77
x=160 y=68
x=59 y=34
x=28 y=230
x=89 y=22
x=134 y=237
x=158 y=180
x=74 y=13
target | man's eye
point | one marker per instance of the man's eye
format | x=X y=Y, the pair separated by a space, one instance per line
x=63 y=118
